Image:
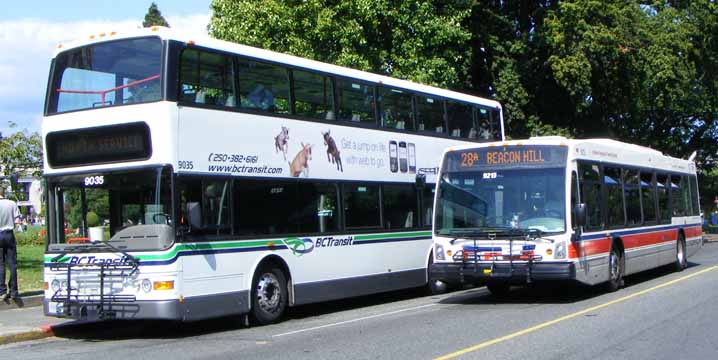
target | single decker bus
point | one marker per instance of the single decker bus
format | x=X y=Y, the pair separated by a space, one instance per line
x=551 y=208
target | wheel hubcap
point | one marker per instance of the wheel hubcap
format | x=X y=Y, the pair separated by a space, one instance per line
x=268 y=292
x=680 y=255
x=615 y=267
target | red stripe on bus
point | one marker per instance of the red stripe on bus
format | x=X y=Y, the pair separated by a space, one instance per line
x=651 y=238
x=589 y=247
x=603 y=246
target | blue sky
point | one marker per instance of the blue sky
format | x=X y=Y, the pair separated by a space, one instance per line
x=30 y=31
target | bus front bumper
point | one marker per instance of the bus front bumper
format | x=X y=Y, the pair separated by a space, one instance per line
x=157 y=310
x=516 y=273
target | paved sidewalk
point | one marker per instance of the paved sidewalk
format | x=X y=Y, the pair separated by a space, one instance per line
x=27 y=323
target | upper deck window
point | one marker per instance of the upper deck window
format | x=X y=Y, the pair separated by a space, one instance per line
x=106 y=74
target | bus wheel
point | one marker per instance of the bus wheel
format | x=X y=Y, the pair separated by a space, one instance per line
x=499 y=289
x=681 y=261
x=615 y=270
x=434 y=287
x=269 y=295
x=437 y=287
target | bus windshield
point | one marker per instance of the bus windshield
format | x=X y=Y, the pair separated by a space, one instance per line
x=528 y=199
x=106 y=74
x=132 y=208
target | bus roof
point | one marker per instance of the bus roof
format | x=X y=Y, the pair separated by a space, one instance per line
x=221 y=45
x=601 y=151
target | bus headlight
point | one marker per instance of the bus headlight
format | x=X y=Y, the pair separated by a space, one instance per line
x=439 y=252
x=55 y=285
x=146 y=285
x=560 y=250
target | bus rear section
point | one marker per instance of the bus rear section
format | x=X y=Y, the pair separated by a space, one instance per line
x=500 y=216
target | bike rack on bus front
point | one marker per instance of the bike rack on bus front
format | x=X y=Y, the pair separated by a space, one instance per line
x=104 y=306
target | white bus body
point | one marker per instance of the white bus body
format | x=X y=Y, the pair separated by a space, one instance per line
x=215 y=206
x=510 y=212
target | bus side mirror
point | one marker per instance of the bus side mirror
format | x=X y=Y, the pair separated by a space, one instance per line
x=579 y=214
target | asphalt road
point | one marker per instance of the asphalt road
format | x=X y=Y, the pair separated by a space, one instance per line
x=658 y=315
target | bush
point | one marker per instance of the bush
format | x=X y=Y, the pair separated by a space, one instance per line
x=710 y=229
x=92 y=219
x=35 y=235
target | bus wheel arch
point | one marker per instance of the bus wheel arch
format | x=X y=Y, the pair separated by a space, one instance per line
x=434 y=287
x=270 y=290
x=616 y=265
x=681 y=257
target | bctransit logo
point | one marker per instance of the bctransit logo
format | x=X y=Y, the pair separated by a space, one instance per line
x=299 y=246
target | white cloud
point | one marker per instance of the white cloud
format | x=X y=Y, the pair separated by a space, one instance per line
x=27 y=48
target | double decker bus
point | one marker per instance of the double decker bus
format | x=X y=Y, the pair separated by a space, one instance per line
x=551 y=208
x=195 y=178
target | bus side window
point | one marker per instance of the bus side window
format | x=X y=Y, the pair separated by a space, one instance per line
x=361 y=205
x=263 y=86
x=664 y=210
x=395 y=109
x=632 y=196
x=399 y=203
x=429 y=115
x=207 y=78
x=575 y=198
x=427 y=205
x=205 y=208
x=313 y=95
x=648 y=197
x=615 y=209
x=495 y=125
x=461 y=120
x=315 y=209
x=693 y=183
x=484 y=128
x=356 y=101
x=680 y=195
x=590 y=188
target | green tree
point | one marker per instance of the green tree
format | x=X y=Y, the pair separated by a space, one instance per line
x=644 y=72
x=21 y=153
x=424 y=41
x=154 y=17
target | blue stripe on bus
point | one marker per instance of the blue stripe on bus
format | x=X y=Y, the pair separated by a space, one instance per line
x=481 y=248
x=362 y=242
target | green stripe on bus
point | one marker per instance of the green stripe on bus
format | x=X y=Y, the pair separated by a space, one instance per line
x=247 y=244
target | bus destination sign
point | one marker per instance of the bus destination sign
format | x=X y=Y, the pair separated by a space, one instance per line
x=99 y=145
x=506 y=157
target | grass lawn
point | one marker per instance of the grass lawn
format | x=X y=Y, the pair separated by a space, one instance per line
x=29 y=267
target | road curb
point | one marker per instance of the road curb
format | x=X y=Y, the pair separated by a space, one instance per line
x=41 y=332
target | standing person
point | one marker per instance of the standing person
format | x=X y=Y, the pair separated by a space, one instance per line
x=9 y=213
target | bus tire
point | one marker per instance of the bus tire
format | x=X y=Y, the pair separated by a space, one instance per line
x=681 y=260
x=615 y=269
x=434 y=287
x=499 y=289
x=269 y=294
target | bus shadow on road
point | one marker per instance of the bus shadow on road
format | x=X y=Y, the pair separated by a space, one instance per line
x=553 y=292
x=147 y=329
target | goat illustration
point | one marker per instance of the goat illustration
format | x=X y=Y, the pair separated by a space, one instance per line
x=333 y=155
x=281 y=142
x=300 y=164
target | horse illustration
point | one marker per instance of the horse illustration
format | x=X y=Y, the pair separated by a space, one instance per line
x=281 y=142
x=332 y=151
x=300 y=164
